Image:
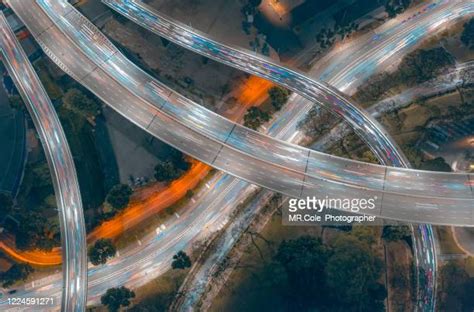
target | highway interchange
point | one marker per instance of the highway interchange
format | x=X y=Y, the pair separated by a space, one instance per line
x=277 y=125
x=438 y=198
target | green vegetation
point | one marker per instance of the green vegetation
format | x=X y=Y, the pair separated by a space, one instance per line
x=395 y=7
x=18 y=271
x=81 y=137
x=326 y=37
x=414 y=155
x=16 y=102
x=423 y=65
x=181 y=261
x=255 y=117
x=456 y=288
x=53 y=90
x=416 y=67
x=396 y=232
x=158 y=294
x=165 y=171
x=78 y=102
x=172 y=167
x=369 y=157
x=341 y=277
x=317 y=122
x=467 y=36
x=436 y=164
x=6 y=204
x=119 y=196
x=352 y=272
x=101 y=251
x=304 y=260
x=255 y=3
x=36 y=232
x=115 y=298
x=278 y=97
x=32 y=224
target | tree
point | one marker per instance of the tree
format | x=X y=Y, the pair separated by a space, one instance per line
x=255 y=3
x=114 y=298
x=375 y=87
x=42 y=175
x=317 y=122
x=77 y=101
x=18 y=271
x=395 y=7
x=453 y=281
x=255 y=117
x=35 y=231
x=16 y=102
x=352 y=273
x=467 y=36
x=166 y=171
x=304 y=260
x=396 y=232
x=367 y=234
x=422 y=65
x=101 y=251
x=369 y=157
x=414 y=155
x=278 y=97
x=181 y=261
x=171 y=166
x=436 y=164
x=6 y=204
x=119 y=196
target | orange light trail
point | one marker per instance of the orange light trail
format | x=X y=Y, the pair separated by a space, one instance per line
x=152 y=199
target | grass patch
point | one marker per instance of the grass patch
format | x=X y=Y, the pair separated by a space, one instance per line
x=158 y=294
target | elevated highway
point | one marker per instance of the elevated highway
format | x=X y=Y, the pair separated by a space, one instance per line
x=61 y=164
x=403 y=194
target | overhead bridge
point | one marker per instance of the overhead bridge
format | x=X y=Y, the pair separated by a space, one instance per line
x=295 y=171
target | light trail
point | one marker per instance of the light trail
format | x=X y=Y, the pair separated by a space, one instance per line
x=61 y=164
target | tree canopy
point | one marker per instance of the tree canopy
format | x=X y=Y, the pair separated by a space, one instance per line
x=396 y=232
x=467 y=36
x=422 y=65
x=77 y=101
x=395 y=7
x=101 y=251
x=114 y=298
x=416 y=67
x=35 y=231
x=456 y=288
x=18 y=271
x=352 y=271
x=119 y=196
x=278 y=97
x=255 y=117
x=304 y=261
x=171 y=167
x=181 y=261
x=166 y=171
x=6 y=204
x=340 y=277
x=436 y=164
